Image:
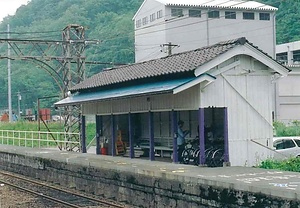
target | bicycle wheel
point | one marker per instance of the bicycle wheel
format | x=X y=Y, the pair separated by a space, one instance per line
x=217 y=158
x=208 y=156
x=196 y=156
x=185 y=156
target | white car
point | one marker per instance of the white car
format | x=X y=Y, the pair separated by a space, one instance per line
x=286 y=147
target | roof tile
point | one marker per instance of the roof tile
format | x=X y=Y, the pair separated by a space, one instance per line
x=181 y=62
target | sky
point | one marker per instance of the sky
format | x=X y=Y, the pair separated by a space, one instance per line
x=9 y=7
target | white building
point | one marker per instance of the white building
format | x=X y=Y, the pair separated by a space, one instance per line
x=163 y=27
x=288 y=88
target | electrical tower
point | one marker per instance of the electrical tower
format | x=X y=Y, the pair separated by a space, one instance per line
x=64 y=60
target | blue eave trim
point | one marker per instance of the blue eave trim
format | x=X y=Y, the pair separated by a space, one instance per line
x=132 y=91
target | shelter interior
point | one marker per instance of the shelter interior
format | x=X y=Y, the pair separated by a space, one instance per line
x=164 y=134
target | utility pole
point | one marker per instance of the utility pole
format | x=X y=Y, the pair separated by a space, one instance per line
x=9 y=77
x=170 y=47
x=19 y=104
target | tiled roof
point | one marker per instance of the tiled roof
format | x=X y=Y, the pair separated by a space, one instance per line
x=181 y=62
x=232 y=4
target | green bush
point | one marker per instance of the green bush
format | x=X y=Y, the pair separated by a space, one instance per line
x=292 y=164
x=287 y=130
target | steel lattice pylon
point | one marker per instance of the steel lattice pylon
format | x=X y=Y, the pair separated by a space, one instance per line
x=64 y=60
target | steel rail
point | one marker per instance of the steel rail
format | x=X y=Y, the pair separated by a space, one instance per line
x=40 y=194
x=56 y=188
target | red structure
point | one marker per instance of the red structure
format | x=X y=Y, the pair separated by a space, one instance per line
x=45 y=114
x=4 y=117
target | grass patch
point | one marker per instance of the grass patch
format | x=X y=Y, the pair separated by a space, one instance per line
x=33 y=126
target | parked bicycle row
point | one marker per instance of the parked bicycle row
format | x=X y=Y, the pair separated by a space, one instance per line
x=214 y=154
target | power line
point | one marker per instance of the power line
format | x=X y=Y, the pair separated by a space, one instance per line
x=33 y=32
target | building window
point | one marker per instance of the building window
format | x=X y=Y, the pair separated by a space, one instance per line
x=264 y=16
x=248 y=15
x=230 y=15
x=159 y=14
x=145 y=20
x=213 y=14
x=138 y=23
x=296 y=57
x=194 y=13
x=282 y=57
x=152 y=17
x=176 y=12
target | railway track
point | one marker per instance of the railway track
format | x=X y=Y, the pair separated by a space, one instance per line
x=55 y=194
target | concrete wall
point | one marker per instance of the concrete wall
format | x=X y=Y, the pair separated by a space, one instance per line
x=196 y=32
x=142 y=189
x=149 y=37
x=288 y=97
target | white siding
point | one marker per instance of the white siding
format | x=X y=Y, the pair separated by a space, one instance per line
x=104 y=107
x=120 y=106
x=162 y=102
x=186 y=100
x=249 y=101
x=89 y=109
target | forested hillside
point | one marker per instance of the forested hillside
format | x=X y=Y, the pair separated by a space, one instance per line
x=287 y=19
x=107 y=20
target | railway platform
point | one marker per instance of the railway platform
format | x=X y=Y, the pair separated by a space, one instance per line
x=146 y=183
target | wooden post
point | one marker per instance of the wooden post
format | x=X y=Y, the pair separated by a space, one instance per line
x=151 y=136
x=226 y=148
x=99 y=126
x=113 y=136
x=131 y=154
x=83 y=134
x=201 y=136
x=174 y=131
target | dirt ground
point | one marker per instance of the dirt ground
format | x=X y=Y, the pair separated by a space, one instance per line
x=11 y=198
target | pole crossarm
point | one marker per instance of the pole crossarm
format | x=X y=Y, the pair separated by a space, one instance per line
x=46 y=50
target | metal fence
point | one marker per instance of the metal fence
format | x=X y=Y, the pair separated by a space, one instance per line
x=38 y=139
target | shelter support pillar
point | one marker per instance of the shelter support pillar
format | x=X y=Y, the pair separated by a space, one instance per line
x=201 y=136
x=226 y=148
x=99 y=127
x=83 y=134
x=113 y=136
x=174 y=130
x=131 y=146
x=151 y=136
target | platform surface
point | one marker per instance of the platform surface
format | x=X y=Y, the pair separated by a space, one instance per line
x=277 y=183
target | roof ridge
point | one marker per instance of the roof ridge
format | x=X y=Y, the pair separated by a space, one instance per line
x=237 y=41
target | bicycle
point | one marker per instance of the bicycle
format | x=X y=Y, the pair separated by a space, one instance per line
x=188 y=153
